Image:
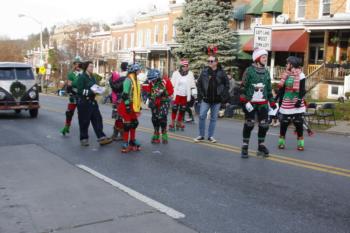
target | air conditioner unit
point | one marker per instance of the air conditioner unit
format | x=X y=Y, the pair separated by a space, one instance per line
x=283 y=18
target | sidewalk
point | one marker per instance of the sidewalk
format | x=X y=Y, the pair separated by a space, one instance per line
x=41 y=193
x=342 y=128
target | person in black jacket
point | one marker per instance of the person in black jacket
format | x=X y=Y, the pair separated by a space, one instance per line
x=213 y=87
x=88 y=110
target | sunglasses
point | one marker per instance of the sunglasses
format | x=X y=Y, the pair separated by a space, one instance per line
x=211 y=61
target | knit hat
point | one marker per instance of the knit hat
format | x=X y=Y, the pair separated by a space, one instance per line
x=124 y=66
x=258 y=53
x=153 y=74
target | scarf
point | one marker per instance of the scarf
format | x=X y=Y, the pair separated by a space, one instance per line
x=295 y=73
x=136 y=93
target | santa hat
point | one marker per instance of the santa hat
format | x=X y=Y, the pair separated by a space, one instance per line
x=184 y=62
x=258 y=53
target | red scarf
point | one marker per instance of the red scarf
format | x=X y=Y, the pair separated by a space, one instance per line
x=295 y=73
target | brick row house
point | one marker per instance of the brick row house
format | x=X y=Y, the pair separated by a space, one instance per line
x=318 y=31
x=149 y=41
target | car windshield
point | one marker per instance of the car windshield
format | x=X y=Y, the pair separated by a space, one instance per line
x=7 y=74
x=20 y=73
x=24 y=74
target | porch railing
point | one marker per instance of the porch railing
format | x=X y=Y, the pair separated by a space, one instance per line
x=312 y=68
x=315 y=77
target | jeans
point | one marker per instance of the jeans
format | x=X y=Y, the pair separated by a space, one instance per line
x=214 y=111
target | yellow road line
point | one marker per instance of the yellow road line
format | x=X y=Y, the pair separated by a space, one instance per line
x=276 y=158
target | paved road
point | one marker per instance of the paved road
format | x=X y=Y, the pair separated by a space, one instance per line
x=216 y=190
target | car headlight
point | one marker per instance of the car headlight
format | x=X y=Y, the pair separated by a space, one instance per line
x=2 y=95
x=32 y=94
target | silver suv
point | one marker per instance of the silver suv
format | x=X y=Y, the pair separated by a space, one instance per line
x=18 y=88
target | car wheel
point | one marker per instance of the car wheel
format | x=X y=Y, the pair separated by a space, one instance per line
x=18 y=111
x=33 y=113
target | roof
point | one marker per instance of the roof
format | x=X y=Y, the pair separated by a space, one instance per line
x=14 y=65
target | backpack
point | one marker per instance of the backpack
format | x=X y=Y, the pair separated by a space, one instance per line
x=117 y=86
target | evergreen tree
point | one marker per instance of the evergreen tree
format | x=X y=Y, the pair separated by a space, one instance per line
x=204 y=23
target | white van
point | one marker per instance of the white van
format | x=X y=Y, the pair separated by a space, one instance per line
x=18 y=88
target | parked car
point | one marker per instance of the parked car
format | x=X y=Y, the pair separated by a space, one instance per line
x=18 y=88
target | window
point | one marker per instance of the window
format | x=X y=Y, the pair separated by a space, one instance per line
x=139 y=38
x=174 y=32
x=255 y=21
x=148 y=37
x=109 y=46
x=301 y=8
x=165 y=33
x=334 y=90
x=240 y=24
x=125 y=41
x=120 y=45
x=156 y=33
x=132 y=40
x=325 y=7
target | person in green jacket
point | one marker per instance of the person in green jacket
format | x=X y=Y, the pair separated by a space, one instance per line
x=72 y=91
x=256 y=97
x=88 y=110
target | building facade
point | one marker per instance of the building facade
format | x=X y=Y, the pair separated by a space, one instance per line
x=315 y=30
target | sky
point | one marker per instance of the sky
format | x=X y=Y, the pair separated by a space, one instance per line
x=53 y=12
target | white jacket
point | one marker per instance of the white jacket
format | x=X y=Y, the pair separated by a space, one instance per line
x=191 y=84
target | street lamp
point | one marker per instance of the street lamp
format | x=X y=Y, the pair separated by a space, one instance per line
x=41 y=42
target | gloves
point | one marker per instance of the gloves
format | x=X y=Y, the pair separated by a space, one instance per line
x=69 y=89
x=273 y=105
x=128 y=108
x=298 y=103
x=249 y=107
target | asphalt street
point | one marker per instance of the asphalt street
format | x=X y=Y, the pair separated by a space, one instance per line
x=217 y=191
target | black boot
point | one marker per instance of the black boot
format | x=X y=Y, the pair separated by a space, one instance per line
x=263 y=151
x=244 y=152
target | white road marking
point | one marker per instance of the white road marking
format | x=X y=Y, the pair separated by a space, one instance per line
x=155 y=204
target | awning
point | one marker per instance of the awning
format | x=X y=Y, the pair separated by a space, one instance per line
x=273 y=6
x=284 y=41
x=239 y=12
x=243 y=39
x=255 y=7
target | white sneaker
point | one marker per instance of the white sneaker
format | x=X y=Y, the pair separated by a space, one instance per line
x=198 y=139
x=212 y=140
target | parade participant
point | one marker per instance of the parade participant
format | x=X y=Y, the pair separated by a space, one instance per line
x=88 y=110
x=213 y=90
x=183 y=81
x=130 y=108
x=256 y=95
x=116 y=83
x=291 y=94
x=72 y=91
x=159 y=91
